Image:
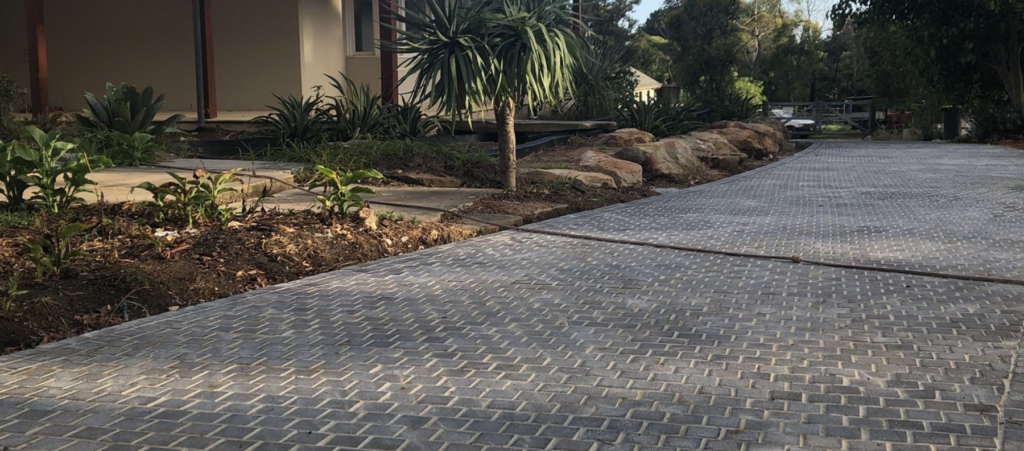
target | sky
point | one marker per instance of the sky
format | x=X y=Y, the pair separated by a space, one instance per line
x=648 y=6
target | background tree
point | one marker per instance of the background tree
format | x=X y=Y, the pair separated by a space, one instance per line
x=960 y=37
x=705 y=34
x=651 y=56
x=610 y=19
x=466 y=56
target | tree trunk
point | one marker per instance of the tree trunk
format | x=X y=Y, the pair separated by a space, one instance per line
x=1006 y=59
x=505 y=113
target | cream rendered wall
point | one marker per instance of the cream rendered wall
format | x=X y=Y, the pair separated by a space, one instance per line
x=363 y=68
x=91 y=42
x=323 y=42
x=14 y=42
x=257 y=50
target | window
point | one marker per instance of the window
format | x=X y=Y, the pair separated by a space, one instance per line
x=362 y=15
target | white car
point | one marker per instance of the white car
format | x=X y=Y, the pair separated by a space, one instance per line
x=801 y=126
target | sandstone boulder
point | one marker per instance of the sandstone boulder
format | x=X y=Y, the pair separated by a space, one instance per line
x=624 y=137
x=725 y=156
x=781 y=131
x=749 y=142
x=578 y=178
x=625 y=173
x=668 y=158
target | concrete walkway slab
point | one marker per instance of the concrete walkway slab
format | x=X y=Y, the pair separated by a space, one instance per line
x=117 y=184
x=523 y=341
x=443 y=198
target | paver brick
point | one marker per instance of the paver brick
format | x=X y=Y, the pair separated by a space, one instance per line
x=524 y=341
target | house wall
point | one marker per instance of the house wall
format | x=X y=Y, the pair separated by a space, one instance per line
x=14 y=42
x=257 y=49
x=91 y=42
x=323 y=42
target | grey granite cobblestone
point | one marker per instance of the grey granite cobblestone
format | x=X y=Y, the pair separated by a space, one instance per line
x=519 y=341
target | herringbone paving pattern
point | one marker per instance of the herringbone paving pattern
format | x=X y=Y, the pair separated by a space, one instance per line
x=519 y=341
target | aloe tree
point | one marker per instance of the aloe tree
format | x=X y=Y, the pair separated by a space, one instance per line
x=467 y=55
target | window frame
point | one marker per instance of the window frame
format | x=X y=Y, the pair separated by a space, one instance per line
x=350 y=25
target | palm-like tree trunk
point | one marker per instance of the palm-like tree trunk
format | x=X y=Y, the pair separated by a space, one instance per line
x=505 y=113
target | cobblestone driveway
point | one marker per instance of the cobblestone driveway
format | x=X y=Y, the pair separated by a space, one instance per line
x=518 y=341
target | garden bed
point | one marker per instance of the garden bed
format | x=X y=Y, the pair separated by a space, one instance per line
x=130 y=273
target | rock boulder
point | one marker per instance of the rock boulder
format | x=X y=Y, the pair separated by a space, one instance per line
x=625 y=173
x=578 y=178
x=725 y=156
x=667 y=158
x=749 y=142
x=624 y=137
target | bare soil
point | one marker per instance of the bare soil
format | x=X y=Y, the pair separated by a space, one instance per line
x=131 y=274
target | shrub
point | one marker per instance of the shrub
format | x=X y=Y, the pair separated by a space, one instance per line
x=122 y=149
x=44 y=166
x=992 y=123
x=296 y=120
x=340 y=197
x=732 y=106
x=124 y=109
x=407 y=121
x=188 y=201
x=658 y=117
x=357 y=113
x=604 y=82
x=52 y=254
x=353 y=156
x=8 y=96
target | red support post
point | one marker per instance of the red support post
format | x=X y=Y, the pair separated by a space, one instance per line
x=209 y=69
x=39 y=75
x=388 y=60
x=577 y=13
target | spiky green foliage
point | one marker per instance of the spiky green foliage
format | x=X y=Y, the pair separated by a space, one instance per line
x=603 y=79
x=658 y=117
x=356 y=113
x=467 y=56
x=296 y=119
x=124 y=109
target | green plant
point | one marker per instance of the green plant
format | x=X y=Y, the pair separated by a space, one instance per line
x=8 y=96
x=188 y=201
x=733 y=106
x=603 y=79
x=357 y=113
x=11 y=293
x=340 y=197
x=52 y=254
x=122 y=149
x=296 y=119
x=51 y=162
x=13 y=171
x=408 y=121
x=658 y=117
x=353 y=156
x=124 y=109
x=466 y=56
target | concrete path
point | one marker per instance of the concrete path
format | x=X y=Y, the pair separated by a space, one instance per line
x=117 y=184
x=520 y=341
x=443 y=198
